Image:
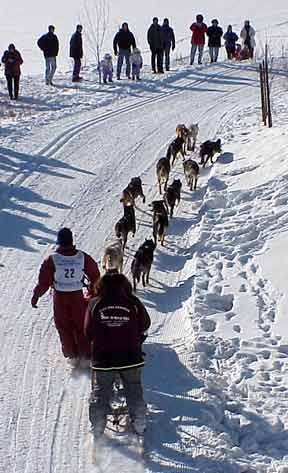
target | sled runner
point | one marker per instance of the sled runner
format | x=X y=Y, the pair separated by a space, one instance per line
x=119 y=431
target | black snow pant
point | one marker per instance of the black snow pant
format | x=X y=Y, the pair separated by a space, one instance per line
x=157 y=53
x=10 y=80
x=167 y=58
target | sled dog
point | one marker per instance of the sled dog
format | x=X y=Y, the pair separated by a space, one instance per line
x=208 y=149
x=126 y=224
x=191 y=173
x=173 y=195
x=163 y=170
x=160 y=220
x=113 y=256
x=132 y=191
x=142 y=262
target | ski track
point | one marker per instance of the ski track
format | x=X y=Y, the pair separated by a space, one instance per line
x=203 y=253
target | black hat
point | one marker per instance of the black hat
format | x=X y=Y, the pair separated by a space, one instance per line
x=215 y=21
x=65 y=237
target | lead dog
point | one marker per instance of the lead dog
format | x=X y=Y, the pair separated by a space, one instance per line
x=175 y=148
x=142 y=263
x=208 y=149
x=163 y=170
x=125 y=225
x=113 y=256
x=132 y=191
x=181 y=131
x=160 y=220
x=191 y=173
x=173 y=195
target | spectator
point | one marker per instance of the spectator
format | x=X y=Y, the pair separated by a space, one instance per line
x=248 y=36
x=107 y=68
x=214 y=34
x=230 y=42
x=12 y=60
x=64 y=271
x=123 y=40
x=137 y=63
x=169 y=41
x=76 y=52
x=49 y=44
x=198 y=39
x=156 y=43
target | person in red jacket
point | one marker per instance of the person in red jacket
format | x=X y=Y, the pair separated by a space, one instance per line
x=116 y=323
x=198 y=39
x=64 y=271
x=12 y=60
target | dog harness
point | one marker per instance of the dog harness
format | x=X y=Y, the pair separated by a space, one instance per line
x=69 y=272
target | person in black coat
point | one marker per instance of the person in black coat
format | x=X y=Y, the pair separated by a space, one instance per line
x=122 y=43
x=12 y=60
x=230 y=42
x=214 y=34
x=76 y=52
x=156 y=43
x=49 y=44
x=168 y=41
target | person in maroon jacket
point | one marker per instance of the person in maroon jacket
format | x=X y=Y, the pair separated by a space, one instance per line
x=64 y=271
x=12 y=60
x=198 y=39
x=116 y=322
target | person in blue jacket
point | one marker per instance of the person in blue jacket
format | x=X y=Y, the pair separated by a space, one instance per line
x=230 y=42
x=169 y=41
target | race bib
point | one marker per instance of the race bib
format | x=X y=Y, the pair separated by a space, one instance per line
x=69 y=272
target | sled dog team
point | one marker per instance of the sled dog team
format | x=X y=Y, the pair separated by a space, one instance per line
x=184 y=142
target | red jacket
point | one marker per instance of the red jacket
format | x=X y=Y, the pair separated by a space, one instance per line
x=47 y=270
x=12 y=61
x=198 y=33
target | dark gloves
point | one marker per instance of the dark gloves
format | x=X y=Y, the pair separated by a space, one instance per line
x=34 y=301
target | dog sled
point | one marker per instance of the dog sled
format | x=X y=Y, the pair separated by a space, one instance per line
x=119 y=432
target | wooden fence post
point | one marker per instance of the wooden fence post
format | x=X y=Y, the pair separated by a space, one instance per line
x=269 y=114
x=263 y=95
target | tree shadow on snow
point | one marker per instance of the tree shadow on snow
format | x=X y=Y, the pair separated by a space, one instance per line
x=15 y=161
x=14 y=200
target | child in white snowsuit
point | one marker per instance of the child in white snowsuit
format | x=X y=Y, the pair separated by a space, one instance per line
x=137 y=62
x=107 y=68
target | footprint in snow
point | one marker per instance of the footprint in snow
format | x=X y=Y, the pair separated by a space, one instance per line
x=230 y=315
x=237 y=328
x=208 y=325
x=265 y=354
x=243 y=288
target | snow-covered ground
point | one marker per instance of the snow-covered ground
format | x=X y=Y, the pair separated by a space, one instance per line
x=217 y=356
